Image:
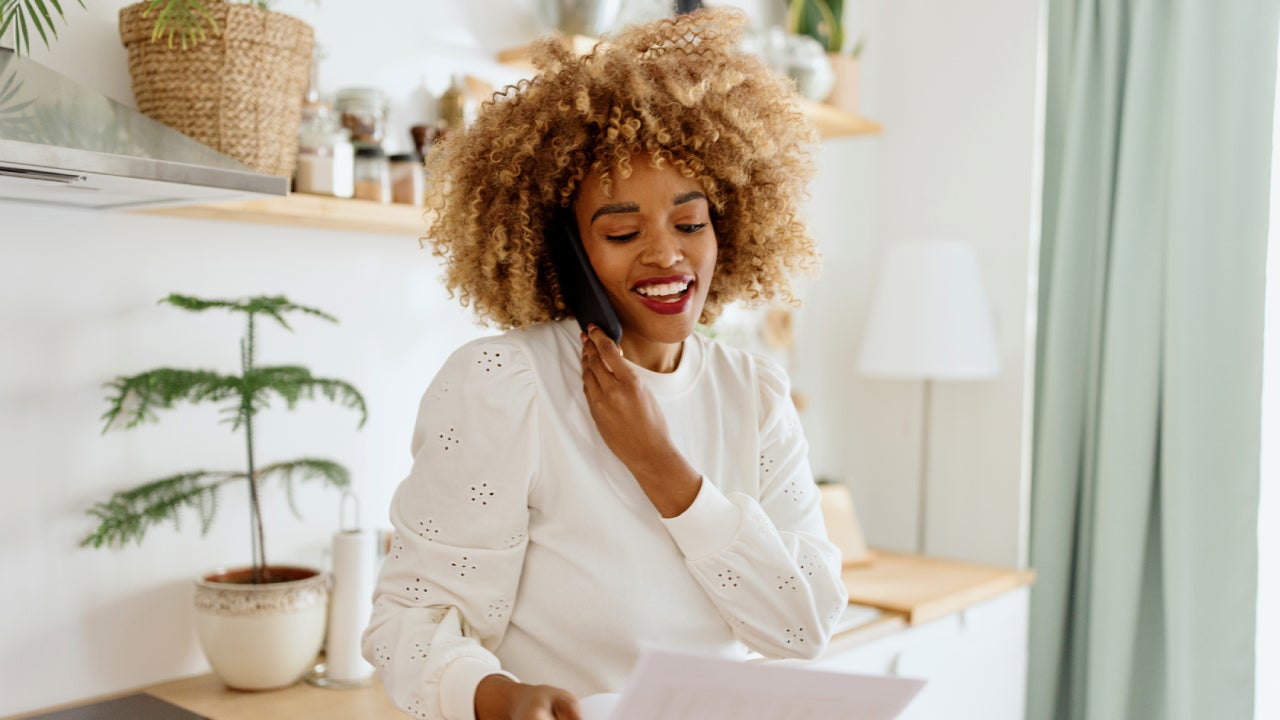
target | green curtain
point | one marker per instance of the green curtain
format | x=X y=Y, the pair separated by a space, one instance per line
x=1149 y=359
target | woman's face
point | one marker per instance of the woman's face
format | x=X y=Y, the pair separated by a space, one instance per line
x=652 y=244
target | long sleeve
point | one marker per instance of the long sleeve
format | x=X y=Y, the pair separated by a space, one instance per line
x=445 y=592
x=766 y=562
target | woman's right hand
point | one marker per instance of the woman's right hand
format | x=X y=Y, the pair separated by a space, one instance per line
x=498 y=697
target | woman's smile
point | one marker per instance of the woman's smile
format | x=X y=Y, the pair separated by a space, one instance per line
x=667 y=295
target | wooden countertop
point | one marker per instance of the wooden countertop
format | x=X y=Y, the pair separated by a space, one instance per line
x=206 y=695
x=907 y=589
x=925 y=588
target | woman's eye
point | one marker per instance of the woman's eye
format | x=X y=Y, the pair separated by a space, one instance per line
x=691 y=228
x=621 y=238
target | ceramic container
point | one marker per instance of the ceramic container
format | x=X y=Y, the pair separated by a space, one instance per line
x=265 y=636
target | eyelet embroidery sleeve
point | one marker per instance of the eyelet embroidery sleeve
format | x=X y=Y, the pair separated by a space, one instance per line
x=460 y=521
x=773 y=574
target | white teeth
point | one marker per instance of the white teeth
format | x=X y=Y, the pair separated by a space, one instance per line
x=673 y=288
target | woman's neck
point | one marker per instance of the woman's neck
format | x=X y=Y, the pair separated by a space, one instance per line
x=653 y=356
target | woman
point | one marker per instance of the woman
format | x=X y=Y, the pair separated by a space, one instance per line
x=573 y=500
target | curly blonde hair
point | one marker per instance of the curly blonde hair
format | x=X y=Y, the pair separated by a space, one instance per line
x=677 y=90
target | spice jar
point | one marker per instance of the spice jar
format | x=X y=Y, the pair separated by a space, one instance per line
x=326 y=161
x=423 y=136
x=364 y=113
x=408 y=179
x=372 y=174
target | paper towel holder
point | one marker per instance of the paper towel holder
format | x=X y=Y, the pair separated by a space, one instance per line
x=342 y=512
x=319 y=675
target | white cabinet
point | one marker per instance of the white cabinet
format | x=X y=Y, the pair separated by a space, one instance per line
x=975 y=660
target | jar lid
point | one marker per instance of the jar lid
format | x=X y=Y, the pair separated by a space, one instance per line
x=412 y=157
x=322 y=136
x=370 y=151
x=366 y=96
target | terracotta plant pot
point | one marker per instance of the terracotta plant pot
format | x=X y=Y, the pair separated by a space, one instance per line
x=263 y=636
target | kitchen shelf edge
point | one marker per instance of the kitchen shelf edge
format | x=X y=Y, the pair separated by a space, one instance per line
x=310 y=211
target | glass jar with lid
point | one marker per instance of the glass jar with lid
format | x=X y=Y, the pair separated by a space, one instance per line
x=372 y=174
x=326 y=160
x=363 y=111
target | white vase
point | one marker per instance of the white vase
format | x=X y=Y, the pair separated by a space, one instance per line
x=799 y=57
x=263 y=636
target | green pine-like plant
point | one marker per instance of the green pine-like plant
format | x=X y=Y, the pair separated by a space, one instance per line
x=133 y=400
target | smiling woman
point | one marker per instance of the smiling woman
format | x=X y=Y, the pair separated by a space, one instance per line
x=573 y=499
x=676 y=92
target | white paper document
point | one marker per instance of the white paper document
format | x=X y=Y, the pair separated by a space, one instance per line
x=677 y=686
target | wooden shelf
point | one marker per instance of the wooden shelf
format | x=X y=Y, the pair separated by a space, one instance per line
x=521 y=57
x=311 y=211
x=830 y=121
x=316 y=211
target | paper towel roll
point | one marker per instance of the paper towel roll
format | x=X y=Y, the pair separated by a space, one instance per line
x=350 y=605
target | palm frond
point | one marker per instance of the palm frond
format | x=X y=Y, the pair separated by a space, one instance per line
x=136 y=398
x=819 y=19
x=185 y=19
x=127 y=515
x=22 y=15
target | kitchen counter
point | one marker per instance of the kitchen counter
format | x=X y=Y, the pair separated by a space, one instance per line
x=889 y=595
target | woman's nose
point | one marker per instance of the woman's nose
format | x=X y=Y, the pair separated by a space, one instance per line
x=663 y=249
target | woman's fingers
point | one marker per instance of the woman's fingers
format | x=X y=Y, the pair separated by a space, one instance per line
x=593 y=346
x=543 y=702
x=594 y=361
x=609 y=349
x=590 y=379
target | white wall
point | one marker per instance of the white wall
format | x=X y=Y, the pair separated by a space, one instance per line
x=77 y=307
x=955 y=85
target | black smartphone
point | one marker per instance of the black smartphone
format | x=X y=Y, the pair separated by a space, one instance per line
x=582 y=290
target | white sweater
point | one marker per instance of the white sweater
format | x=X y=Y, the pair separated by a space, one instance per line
x=523 y=545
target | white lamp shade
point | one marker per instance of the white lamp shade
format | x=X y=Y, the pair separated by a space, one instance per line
x=930 y=317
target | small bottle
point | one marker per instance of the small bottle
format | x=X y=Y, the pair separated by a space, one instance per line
x=408 y=179
x=372 y=174
x=453 y=107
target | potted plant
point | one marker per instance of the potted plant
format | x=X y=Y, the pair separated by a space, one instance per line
x=260 y=626
x=229 y=74
x=823 y=20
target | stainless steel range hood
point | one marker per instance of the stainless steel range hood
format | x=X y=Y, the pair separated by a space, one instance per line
x=63 y=144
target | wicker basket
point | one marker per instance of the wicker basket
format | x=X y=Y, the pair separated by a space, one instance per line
x=239 y=91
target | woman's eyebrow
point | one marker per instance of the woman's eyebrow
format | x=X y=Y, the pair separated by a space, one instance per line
x=689 y=196
x=630 y=207
x=621 y=207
